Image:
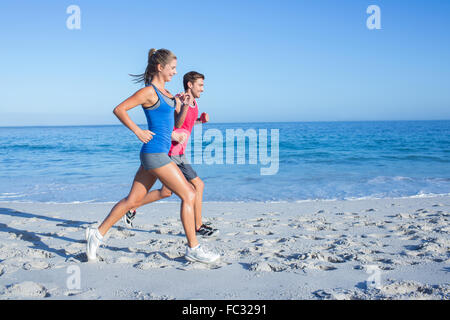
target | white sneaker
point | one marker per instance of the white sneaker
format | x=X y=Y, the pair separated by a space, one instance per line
x=93 y=241
x=198 y=254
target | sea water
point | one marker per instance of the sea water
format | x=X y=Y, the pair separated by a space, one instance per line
x=316 y=160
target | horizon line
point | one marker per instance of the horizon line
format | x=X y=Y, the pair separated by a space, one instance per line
x=244 y=122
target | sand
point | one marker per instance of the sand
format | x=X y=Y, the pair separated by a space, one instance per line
x=352 y=249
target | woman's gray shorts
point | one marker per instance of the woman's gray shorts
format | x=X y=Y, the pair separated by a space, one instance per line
x=154 y=160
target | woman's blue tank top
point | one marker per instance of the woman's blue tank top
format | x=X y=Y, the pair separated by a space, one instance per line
x=160 y=119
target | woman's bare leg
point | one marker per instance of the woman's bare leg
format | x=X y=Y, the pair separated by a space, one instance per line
x=143 y=181
x=170 y=175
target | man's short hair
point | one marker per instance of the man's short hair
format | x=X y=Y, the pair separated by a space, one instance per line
x=191 y=77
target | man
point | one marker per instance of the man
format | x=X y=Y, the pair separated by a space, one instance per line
x=193 y=83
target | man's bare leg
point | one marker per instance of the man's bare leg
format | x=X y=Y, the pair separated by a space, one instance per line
x=199 y=186
x=165 y=192
x=153 y=196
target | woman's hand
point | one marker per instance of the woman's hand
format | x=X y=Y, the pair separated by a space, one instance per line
x=186 y=98
x=179 y=137
x=144 y=135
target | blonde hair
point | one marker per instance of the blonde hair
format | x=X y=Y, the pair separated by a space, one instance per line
x=155 y=57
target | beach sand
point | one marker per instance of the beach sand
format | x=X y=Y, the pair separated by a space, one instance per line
x=353 y=249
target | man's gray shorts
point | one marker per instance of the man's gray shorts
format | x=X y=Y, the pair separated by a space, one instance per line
x=184 y=166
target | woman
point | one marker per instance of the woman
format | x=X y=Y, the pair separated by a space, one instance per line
x=159 y=106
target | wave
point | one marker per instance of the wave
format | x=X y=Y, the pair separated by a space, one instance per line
x=374 y=197
x=384 y=179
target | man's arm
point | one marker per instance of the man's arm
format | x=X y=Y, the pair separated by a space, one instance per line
x=181 y=115
x=204 y=118
x=183 y=101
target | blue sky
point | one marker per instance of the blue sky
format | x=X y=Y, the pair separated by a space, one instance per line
x=263 y=60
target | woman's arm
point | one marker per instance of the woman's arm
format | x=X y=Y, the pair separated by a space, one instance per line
x=143 y=96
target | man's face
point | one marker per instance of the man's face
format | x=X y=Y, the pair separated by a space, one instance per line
x=197 y=88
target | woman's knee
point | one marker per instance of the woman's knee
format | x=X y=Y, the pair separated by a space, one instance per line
x=188 y=195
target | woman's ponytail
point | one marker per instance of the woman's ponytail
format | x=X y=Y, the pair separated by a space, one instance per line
x=155 y=57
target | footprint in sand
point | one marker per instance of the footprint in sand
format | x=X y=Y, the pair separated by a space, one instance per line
x=411 y=289
x=268 y=264
x=74 y=248
x=35 y=253
x=376 y=235
x=36 y=265
x=152 y=261
x=27 y=289
x=202 y=266
x=127 y=260
x=82 y=257
x=320 y=266
x=120 y=233
x=311 y=237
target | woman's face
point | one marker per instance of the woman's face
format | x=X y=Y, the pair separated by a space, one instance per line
x=169 y=70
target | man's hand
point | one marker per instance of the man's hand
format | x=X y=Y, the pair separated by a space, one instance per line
x=204 y=117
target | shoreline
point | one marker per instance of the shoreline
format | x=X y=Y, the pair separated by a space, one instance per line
x=418 y=196
x=310 y=250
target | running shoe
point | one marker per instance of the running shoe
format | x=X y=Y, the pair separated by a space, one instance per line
x=128 y=218
x=207 y=231
x=93 y=241
x=199 y=254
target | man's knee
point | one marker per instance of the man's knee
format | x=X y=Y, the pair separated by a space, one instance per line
x=165 y=193
x=198 y=184
x=132 y=202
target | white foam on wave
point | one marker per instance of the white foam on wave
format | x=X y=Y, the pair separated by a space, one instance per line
x=373 y=197
x=384 y=179
x=11 y=196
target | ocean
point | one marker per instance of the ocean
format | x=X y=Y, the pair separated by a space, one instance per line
x=303 y=161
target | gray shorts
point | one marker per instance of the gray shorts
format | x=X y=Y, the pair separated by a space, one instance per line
x=184 y=166
x=154 y=160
